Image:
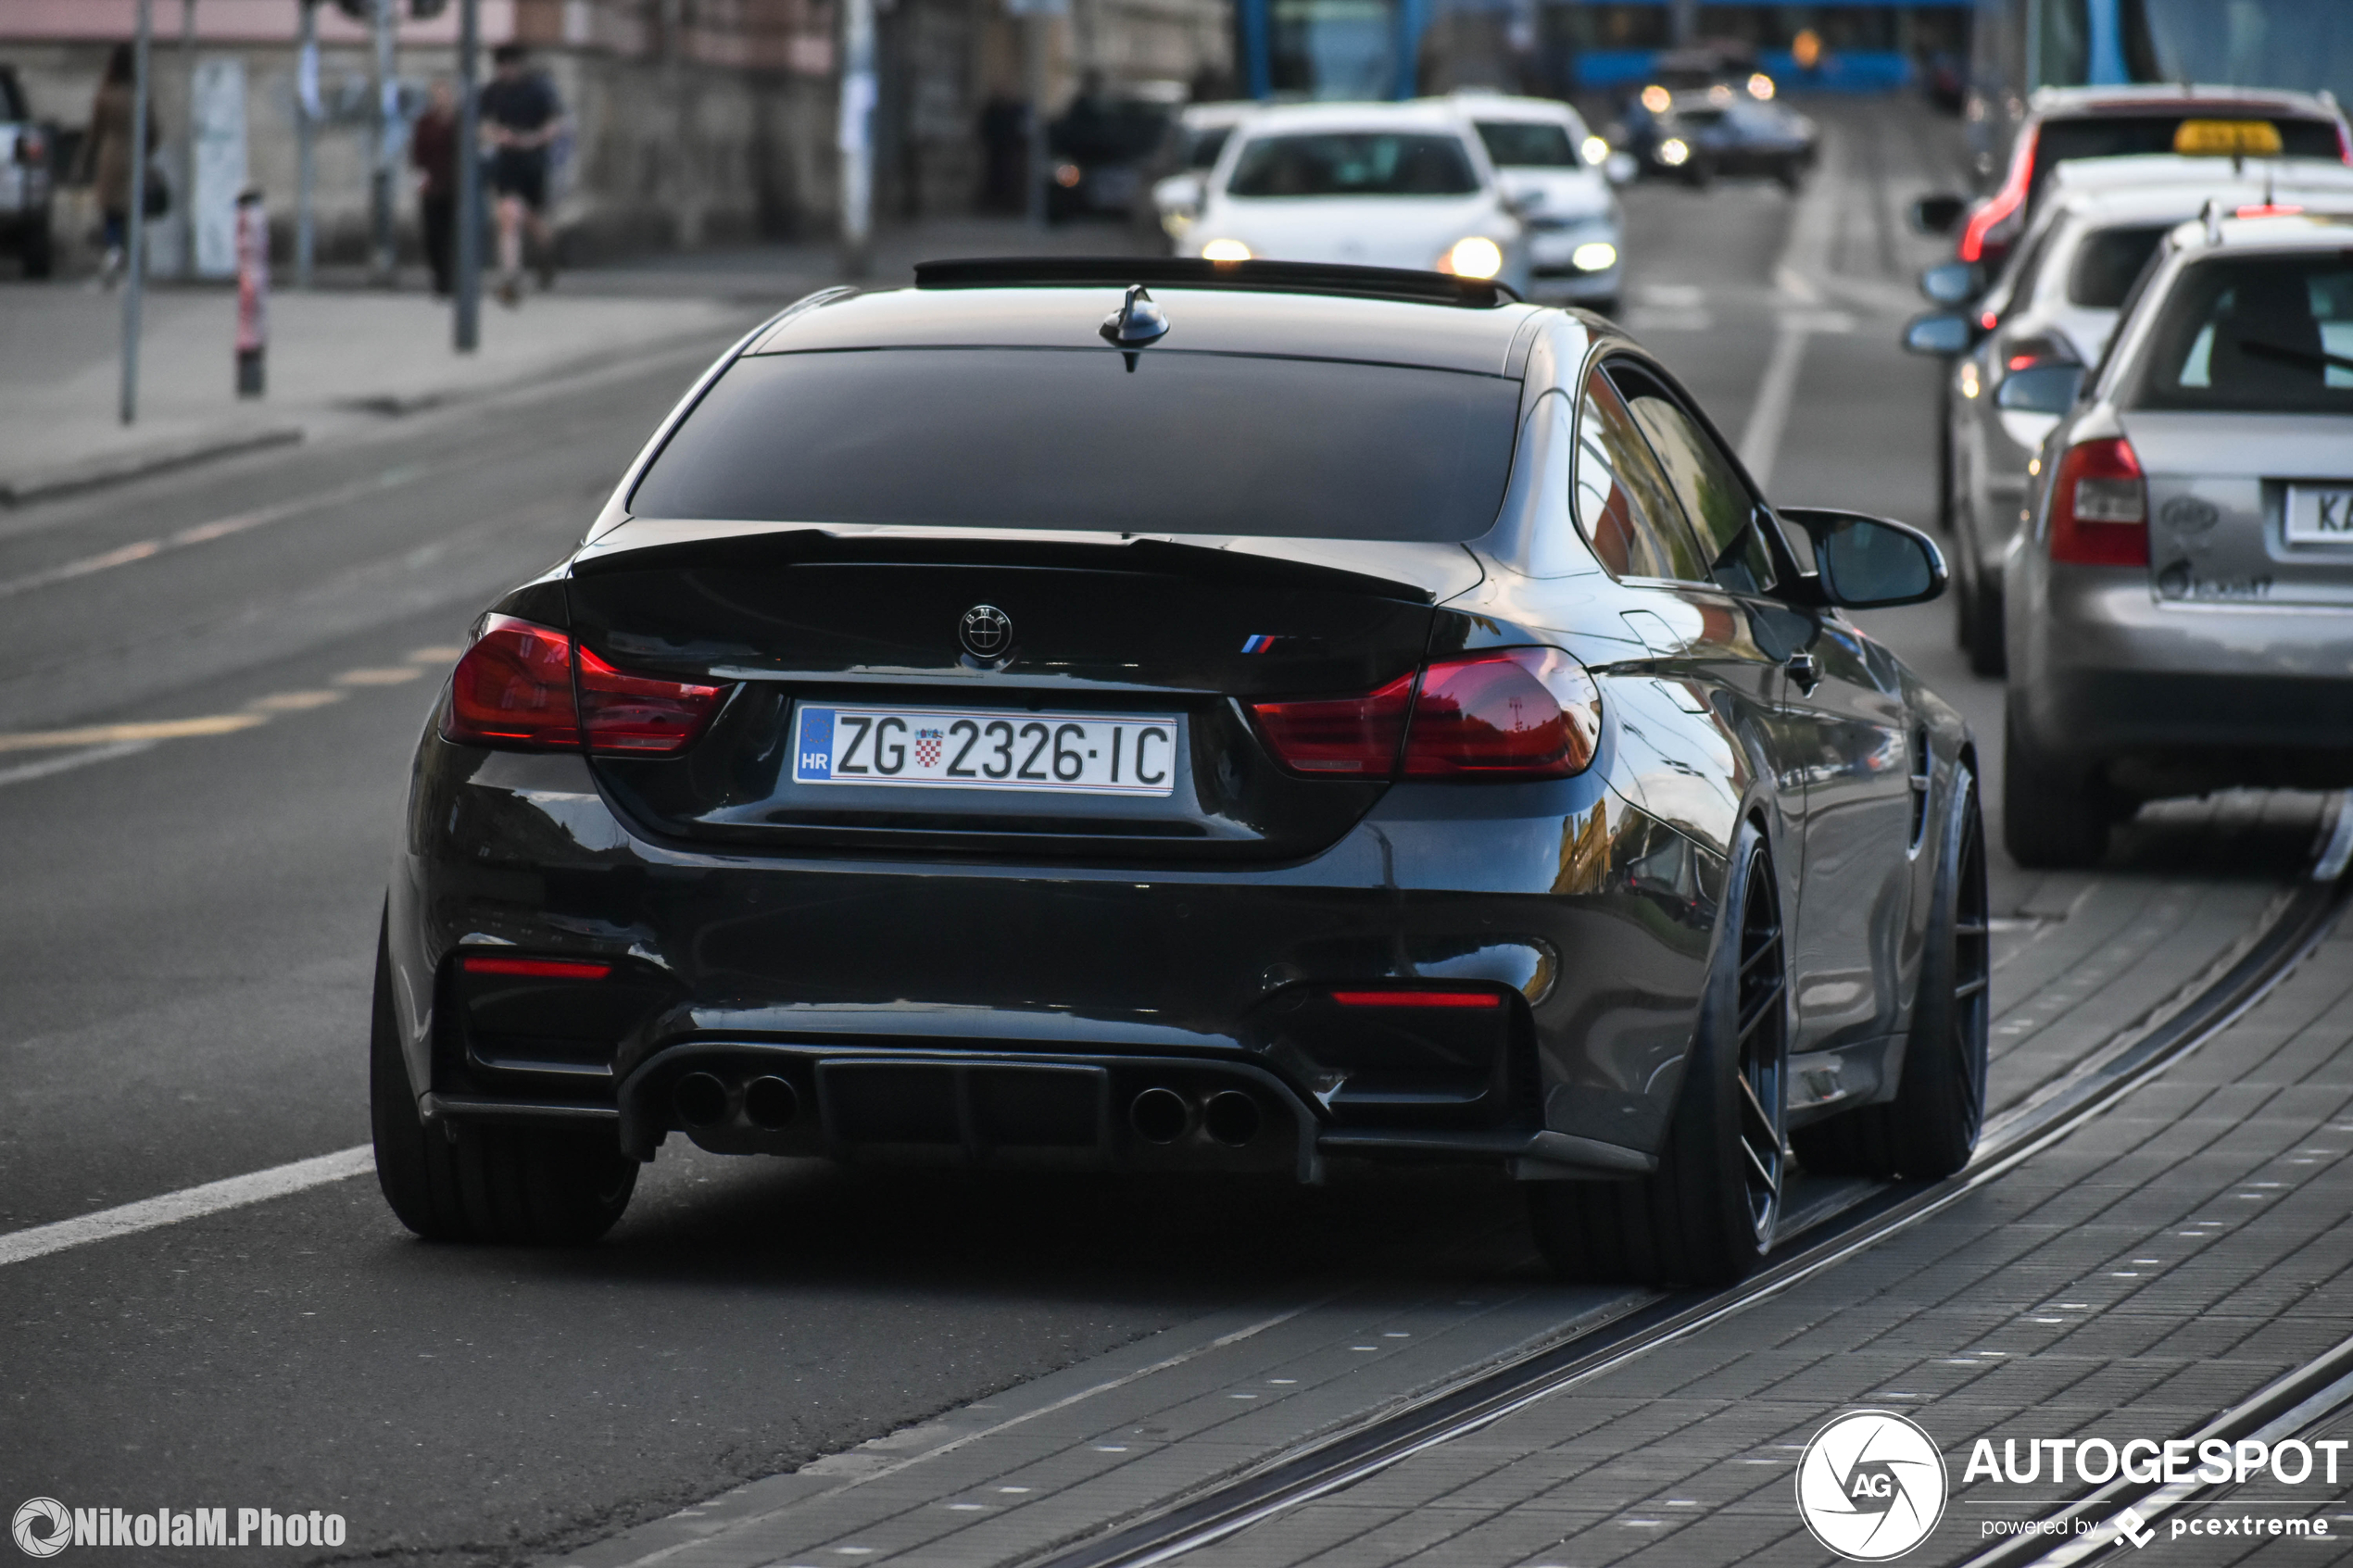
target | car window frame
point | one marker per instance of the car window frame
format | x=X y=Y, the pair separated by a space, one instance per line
x=1789 y=582
x=1673 y=521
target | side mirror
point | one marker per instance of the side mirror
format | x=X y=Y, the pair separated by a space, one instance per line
x=1940 y=334
x=1868 y=562
x=1620 y=169
x=1936 y=214
x=2040 y=389
x=1952 y=283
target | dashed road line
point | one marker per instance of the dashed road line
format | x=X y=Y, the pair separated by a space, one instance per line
x=189 y=1203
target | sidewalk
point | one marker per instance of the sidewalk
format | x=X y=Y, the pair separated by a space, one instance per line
x=345 y=357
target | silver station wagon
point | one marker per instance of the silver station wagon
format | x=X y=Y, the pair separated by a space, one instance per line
x=2181 y=612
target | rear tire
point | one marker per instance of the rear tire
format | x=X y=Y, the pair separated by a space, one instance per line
x=521 y=1186
x=37 y=252
x=1930 y=1130
x=2053 y=816
x=1977 y=627
x=1708 y=1215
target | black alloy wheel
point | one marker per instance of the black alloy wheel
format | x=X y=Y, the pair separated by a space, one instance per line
x=1709 y=1214
x=1930 y=1130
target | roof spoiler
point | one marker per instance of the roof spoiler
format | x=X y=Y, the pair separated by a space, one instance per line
x=1173 y=272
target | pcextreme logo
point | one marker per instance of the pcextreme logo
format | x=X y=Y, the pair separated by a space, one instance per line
x=1870 y=1486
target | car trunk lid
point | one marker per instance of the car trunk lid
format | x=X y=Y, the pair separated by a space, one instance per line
x=2248 y=509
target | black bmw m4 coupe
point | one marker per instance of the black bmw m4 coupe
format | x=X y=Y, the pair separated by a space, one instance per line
x=1171 y=716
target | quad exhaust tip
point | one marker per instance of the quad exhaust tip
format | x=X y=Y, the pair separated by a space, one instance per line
x=701 y=1100
x=771 y=1103
x=1162 y=1116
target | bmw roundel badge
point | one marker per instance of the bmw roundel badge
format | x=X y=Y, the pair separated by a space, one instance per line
x=987 y=632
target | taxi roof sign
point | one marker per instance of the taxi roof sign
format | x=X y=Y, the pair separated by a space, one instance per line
x=2227 y=138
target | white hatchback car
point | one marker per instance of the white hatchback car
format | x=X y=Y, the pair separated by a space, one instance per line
x=1364 y=184
x=1558 y=175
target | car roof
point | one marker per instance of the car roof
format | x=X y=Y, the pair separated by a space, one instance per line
x=2070 y=103
x=2312 y=230
x=1480 y=103
x=1425 y=114
x=1225 y=112
x=2091 y=176
x=1215 y=320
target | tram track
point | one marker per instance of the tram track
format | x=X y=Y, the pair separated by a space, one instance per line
x=1336 y=1460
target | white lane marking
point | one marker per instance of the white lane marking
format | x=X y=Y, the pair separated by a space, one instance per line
x=25 y=771
x=189 y=1203
x=1769 y=416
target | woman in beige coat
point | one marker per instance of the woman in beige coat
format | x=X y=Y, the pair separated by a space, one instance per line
x=107 y=155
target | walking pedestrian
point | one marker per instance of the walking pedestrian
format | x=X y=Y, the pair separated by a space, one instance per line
x=521 y=117
x=107 y=158
x=433 y=151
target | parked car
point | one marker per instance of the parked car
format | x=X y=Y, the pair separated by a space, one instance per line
x=28 y=163
x=2051 y=312
x=2178 y=608
x=1364 y=184
x=1191 y=716
x=1556 y=175
x=2064 y=123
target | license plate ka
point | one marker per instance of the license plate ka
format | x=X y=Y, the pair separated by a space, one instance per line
x=970 y=749
x=2320 y=514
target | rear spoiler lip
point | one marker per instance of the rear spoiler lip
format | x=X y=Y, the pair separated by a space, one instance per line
x=1255 y=559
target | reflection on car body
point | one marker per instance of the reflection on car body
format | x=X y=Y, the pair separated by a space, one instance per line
x=1532 y=801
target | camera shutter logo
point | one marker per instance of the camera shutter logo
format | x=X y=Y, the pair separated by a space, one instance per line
x=43 y=1527
x=1870 y=1486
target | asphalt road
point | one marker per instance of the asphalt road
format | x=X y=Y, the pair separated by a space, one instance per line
x=189 y=929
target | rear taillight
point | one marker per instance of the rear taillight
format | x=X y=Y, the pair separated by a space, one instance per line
x=518 y=688
x=1512 y=713
x=2002 y=203
x=1340 y=737
x=32 y=148
x=536 y=969
x=1473 y=999
x=513 y=689
x=2099 y=506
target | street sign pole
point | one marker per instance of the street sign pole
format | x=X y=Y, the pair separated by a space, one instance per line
x=305 y=136
x=381 y=259
x=467 y=318
x=1037 y=17
x=134 y=249
x=855 y=138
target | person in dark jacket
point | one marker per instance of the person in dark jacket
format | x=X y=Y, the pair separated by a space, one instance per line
x=433 y=150
x=107 y=155
x=521 y=117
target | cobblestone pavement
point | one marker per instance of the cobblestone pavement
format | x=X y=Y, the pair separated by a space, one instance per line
x=2158 y=1266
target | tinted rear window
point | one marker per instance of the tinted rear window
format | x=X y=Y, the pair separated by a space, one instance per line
x=1201 y=147
x=1354 y=163
x=1521 y=143
x=2124 y=135
x=2266 y=335
x=1069 y=438
x=2107 y=261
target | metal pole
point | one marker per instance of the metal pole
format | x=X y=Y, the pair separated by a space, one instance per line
x=467 y=262
x=305 y=136
x=135 y=222
x=184 y=214
x=381 y=259
x=856 y=138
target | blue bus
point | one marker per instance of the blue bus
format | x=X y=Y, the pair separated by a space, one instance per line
x=1396 y=48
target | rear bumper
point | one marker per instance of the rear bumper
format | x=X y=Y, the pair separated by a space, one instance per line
x=1198 y=980
x=2104 y=672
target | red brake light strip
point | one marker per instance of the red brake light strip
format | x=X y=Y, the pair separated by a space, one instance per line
x=536 y=969
x=1417 y=998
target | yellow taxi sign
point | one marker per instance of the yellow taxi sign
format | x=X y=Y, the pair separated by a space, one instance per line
x=2227 y=138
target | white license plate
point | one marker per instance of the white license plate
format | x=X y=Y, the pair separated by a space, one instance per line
x=2320 y=514
x=968 y=748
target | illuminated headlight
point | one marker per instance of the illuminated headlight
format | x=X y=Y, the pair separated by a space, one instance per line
x=1970 y=385
x=1475 y=257
x=1760 y=87
x=1067 y=175
x=1225 y=250
x=1674 y=152
x=1655 y=99
x=1594 y=256
x=1595 y=151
